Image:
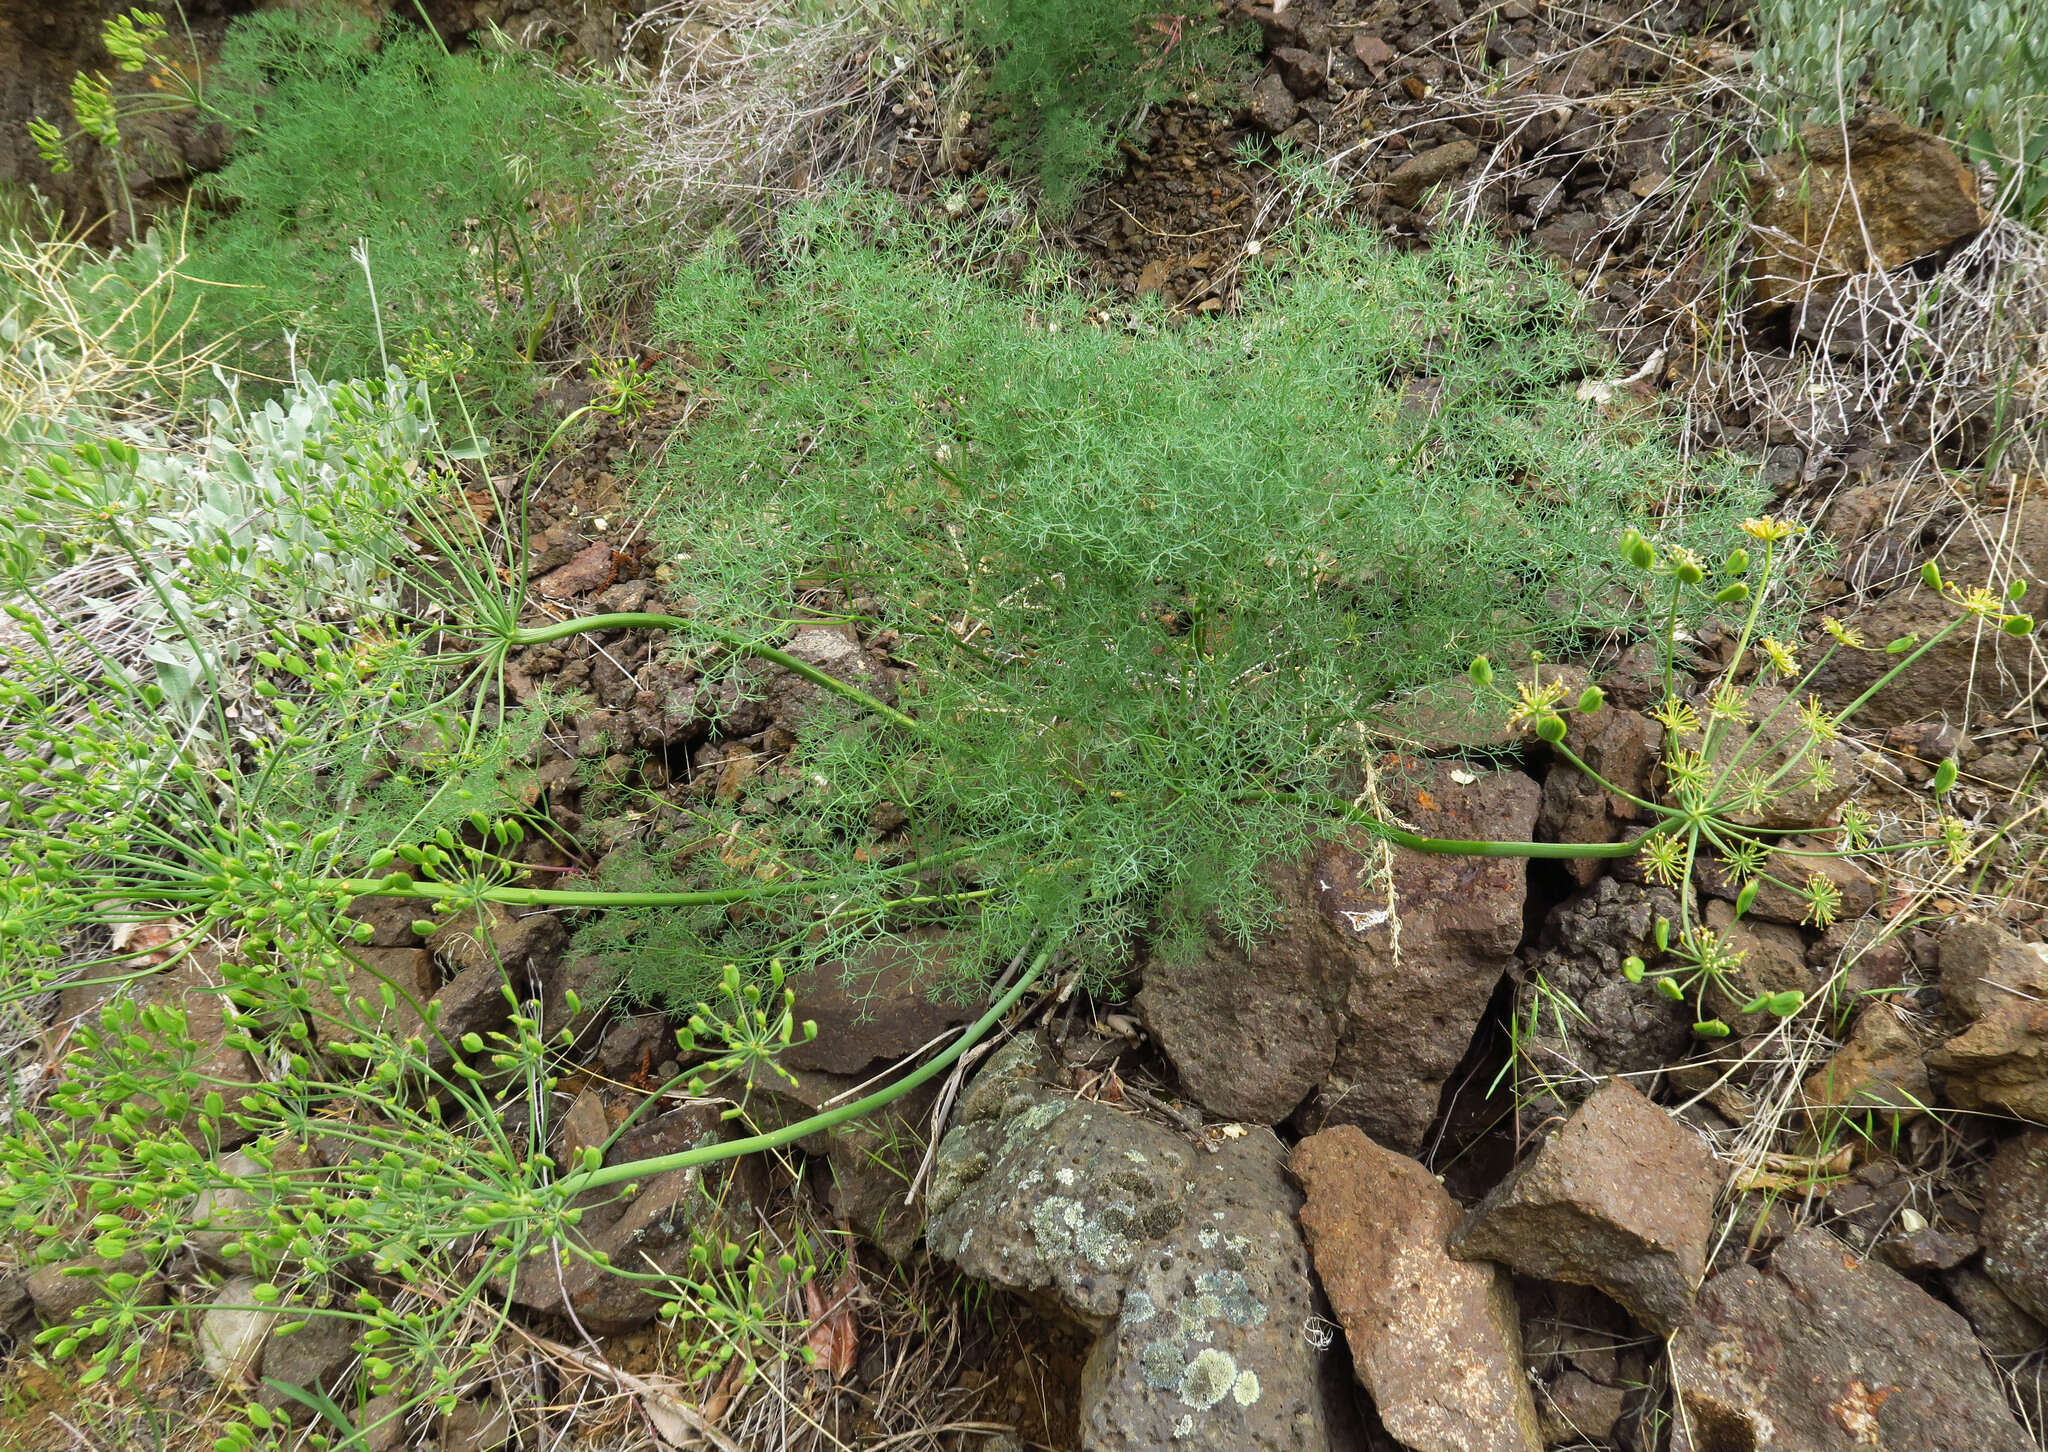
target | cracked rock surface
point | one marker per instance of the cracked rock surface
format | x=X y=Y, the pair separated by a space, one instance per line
x=1188 y=1267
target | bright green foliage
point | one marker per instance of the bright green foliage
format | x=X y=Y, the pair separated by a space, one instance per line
x=1068 y=77
x=1977 y=69
x=468 y=177
x=1150 y=576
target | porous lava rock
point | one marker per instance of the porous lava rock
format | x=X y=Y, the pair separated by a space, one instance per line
x=1827 y=1352
x=2015 y=1227
x=1188 y=1268
x=1435 y=1340
x=1621 y=1199
x=1359 y=1001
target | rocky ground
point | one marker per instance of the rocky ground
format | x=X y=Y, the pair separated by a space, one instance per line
x=1422 y=1169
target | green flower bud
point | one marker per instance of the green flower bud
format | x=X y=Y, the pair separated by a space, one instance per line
x=1663 y=935
x=1689 y=572
x=425 y=927
x=1670 y=990
x=1711 y=1028
x=1945 y=777
x=1550 y=728
x=1480 y=671
x=1733 y=594
x=1632 y=968
x=1785 y=1004
x=2017 y=625
x=1591 y=700
x=1930 y=575
x=1745 y=898
x=1900 y=646
x=1637 y=550
x=1737 y=564
x=2016 y=590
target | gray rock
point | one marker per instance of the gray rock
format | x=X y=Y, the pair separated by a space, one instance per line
x=233 y=1331
x=1825 y=1352
x=1357 y=1004
x=2003 y=1328
x=1435 y=1340
x=1620 y=1199
x=315 y=1358
x=1188 y=1268
x=2015 y=1225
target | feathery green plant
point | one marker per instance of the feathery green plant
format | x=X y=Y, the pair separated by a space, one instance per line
x=1069 y=78
x=1149 y=581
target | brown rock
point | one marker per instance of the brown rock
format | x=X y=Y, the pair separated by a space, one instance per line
x=1882 y=1068
x=1770 y=742
x=583 y=1126
x=1622 y=747
x=592 y=568
x=1857 y=889
x=1984 y=968
x=1372 y=52
x=1979 y=663
x=1926 y=1250
x=1620 y=1199
x=1999 y=1064
x=2015 y=1225
x=1435 y=1340
x=1424 y=170
x=60 y=1291
x=884 y=1002
x=1890 y=196
x=1361 y=1010
x=1773 y=961
x=347 y=1005
x=1273 y=107
x=1870 y=957
x=1826 y=1352
x=2001 y=1324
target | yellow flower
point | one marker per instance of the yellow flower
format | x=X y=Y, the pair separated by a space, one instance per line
x=1768 y=531
x=1842 y=634
x=1781 y=656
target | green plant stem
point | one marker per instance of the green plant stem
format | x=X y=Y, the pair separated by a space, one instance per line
x=562 y=629
x=1454 y=847
x=573 y=1185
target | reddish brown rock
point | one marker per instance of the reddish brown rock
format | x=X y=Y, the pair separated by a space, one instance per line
x=1435 y=1340
x=1856 y=889
x=1883 y=1067
x=1826 y=1352
x=888 y=1000
x=591 y=569
x=1620 y=1199
x=1999 y=1064
x=1882 y=196
x=1356 y=1004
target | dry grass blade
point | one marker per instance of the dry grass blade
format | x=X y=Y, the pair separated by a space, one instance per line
x=749 y=105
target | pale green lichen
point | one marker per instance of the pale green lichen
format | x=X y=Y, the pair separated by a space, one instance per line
x=1245 y=1390
x=1161 y=1363
x=1138 y=1309
x=1208 y=1380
